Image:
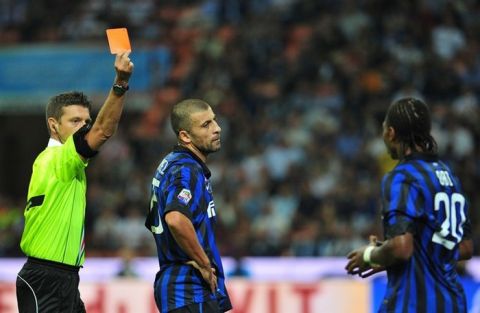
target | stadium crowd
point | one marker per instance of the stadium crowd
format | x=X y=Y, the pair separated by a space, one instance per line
x=300 y=88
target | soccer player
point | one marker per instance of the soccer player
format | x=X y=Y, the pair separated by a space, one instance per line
x=425 y=219
x=53 y=237
x=182 y=217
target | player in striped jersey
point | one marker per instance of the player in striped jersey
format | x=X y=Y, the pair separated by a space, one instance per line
x=182 y=217
x=425 y=219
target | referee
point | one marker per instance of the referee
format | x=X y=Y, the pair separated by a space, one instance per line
x=53 y=237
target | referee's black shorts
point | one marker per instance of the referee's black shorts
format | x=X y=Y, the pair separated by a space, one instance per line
x=45 y=286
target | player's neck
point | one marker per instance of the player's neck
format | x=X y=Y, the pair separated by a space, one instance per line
x=195 y=151
x=409 y=151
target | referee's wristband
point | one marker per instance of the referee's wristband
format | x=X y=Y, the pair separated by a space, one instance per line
x=367 y=254
x=120 y=88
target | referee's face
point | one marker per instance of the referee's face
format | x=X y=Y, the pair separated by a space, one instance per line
x=205 y=131
x=72 y=119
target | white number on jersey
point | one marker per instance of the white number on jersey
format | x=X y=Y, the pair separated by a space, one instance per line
x=450 y=226
x=153 y=205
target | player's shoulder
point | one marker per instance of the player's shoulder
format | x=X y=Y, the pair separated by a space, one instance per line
x=412 y=167
x=398 y=171
x=399 y=175
x=177 y=162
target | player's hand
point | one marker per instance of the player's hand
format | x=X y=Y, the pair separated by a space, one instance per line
x=208 y=274
x=123 y=67
x=371 y=271
x=355 y=264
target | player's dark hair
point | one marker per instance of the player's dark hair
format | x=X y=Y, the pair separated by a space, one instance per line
x=412 y=123
x=55 y=104
x=182 y=111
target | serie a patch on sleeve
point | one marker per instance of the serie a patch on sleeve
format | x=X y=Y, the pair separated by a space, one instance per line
x=184 y=196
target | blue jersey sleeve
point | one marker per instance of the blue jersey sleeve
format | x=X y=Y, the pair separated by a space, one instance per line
x=402 y=204
x=181 y=194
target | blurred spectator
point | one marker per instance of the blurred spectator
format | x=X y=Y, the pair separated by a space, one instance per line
x=127 y=269
x=447 y=38
x=240 y=269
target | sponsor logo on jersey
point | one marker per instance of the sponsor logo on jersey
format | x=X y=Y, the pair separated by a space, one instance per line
x=208 y=185
x=211 y=209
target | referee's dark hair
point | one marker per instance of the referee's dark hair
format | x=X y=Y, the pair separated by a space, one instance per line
x=55 y=104
x=182 y=111
x=410 y=118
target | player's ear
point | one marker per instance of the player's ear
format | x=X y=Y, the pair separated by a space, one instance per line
x=391 y=134
x=184 y=137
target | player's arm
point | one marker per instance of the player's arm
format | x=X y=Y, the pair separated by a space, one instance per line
x=466 y=249
x=107 y=119
x=395 y=250
x=399 y=218
x=184 y=234
x=399 y=227
x=400 y=249
x=375 y=257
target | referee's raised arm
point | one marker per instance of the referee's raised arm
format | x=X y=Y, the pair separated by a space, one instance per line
x=107 y=120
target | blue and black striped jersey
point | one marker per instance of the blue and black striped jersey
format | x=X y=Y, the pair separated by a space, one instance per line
x=181 y=183
x=423 y=197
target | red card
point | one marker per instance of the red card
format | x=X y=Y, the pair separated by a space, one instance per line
x=118 y=40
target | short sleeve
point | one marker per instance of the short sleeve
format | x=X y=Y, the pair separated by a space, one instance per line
x=182 y=190
x=402 y=204
x=68 y=163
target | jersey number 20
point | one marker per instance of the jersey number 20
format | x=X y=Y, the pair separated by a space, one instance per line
x=451 y=225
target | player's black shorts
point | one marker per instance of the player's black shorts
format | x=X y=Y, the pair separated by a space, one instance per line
x=204 y=307
x=45 y=286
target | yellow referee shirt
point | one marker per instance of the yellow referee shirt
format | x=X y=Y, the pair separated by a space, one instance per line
x=55 y=211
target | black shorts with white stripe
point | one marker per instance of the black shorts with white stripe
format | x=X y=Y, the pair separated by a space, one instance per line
x=45 y=286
